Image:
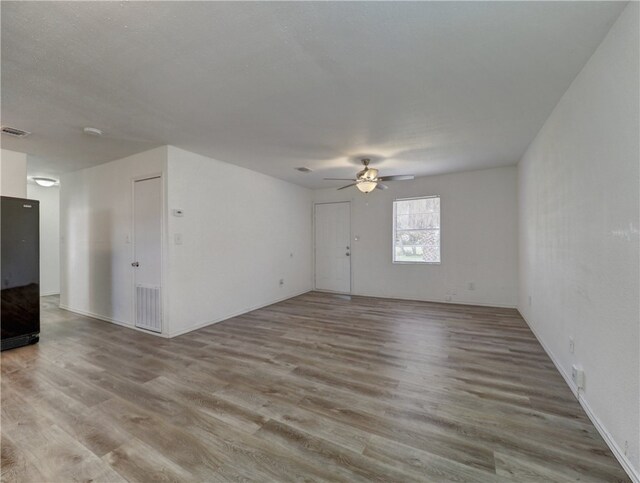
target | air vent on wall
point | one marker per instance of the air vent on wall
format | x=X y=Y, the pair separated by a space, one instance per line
x=12 y=131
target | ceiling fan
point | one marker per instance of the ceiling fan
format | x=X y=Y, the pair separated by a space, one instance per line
x=367 y=180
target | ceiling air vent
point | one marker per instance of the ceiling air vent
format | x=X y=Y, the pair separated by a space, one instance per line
x=12 y=131
x=303 y=170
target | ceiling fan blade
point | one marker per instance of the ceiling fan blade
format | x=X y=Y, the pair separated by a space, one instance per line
x=381 y=186
x=348 y=186
x=400 y=177
x=339 y=179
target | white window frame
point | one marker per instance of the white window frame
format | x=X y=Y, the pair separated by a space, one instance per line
x=393 y=232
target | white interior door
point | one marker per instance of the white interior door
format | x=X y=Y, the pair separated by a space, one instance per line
x=147 y=264
x=333 y=247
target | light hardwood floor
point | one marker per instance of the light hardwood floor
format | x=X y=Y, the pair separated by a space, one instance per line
x=318 y=387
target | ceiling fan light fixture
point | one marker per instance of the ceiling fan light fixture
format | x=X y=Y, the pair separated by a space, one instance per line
x=370 y=174
x=366 y=186
x=367 y=179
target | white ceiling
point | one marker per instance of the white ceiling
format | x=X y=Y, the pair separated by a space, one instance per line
x=424 y=87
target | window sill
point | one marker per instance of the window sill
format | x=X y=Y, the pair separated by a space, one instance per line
x=416 y=263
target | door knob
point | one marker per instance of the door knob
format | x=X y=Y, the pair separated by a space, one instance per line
x=348 y=254
x=135 y=264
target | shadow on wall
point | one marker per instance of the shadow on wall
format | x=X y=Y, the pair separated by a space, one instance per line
x=100 y=288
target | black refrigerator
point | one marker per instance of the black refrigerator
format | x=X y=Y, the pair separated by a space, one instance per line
x=20 y=246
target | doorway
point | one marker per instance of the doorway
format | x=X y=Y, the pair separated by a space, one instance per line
x=333 y=247
x=147 y=252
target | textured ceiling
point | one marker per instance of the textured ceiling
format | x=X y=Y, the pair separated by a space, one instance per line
x=425 y=88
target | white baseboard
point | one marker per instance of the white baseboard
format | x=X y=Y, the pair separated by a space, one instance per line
x=236 y=314
x=451 y=302
x=617 y=451
x=633 y=473
x=111 y=320
x=180 y=332
x=46 y=294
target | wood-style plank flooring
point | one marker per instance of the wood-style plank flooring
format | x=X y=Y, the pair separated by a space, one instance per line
x=315 y=388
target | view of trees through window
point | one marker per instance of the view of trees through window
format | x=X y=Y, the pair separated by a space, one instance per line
x=416 y=230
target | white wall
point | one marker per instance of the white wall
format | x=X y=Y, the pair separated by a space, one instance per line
x=96 y=222
x=478 y=241
x=13 y=174
x=578 y=185
x=242 y=232
x=49 y=236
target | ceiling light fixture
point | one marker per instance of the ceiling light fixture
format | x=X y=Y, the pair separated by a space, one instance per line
x=92 y=131
x=367 y=179
x=46 y=182
x=367 y=185
x=370 y=174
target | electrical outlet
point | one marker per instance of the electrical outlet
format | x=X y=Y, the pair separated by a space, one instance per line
x=577 y=376
x=471 y=286
x=177 y=238
x=572 y=345
x=281 y=282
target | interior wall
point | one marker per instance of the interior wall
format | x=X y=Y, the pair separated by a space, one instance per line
x=49 y=199
x=96 y=224
x=13 y=174
x=478 y=239
x=579 y=211
x=241 y=233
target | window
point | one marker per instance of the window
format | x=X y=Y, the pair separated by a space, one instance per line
x=416 y=230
